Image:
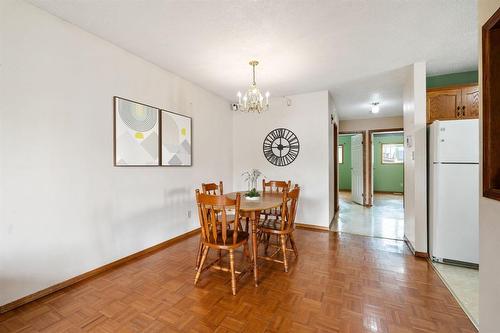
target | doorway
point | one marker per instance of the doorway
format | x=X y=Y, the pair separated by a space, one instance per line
x=371 y=185
x=387 y=181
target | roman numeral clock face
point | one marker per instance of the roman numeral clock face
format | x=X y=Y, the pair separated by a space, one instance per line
x=281 y=147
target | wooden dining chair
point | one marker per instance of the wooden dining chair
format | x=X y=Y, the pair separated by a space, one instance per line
x=213 y=188
x=274 y=186
x=282 y=227
x=223 y=238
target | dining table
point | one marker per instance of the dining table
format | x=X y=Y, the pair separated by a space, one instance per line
x=251 y=208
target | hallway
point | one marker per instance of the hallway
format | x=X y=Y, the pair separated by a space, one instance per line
x=385 y=219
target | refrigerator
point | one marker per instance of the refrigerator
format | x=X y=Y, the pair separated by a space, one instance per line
x=454 y=192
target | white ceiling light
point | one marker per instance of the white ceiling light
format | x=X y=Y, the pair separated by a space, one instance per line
x=253 y=101
x=375 y=107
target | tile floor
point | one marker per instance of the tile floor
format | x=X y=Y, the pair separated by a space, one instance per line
x=385 y=219
x=464 y=284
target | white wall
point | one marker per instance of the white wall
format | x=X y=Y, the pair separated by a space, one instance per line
x=371 y=124
x=415 y=189
x=308 y=118
x=64 y=208
x=489 y=221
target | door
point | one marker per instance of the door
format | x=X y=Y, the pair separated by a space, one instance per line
x=372 y=176
x=336 y=167
x=470 y=103
x=443 y=104
x=357 y=168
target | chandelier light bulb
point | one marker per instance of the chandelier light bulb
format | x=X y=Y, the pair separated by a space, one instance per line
x=375 y=107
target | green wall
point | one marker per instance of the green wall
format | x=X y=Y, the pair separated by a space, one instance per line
x=451 y=79
x=387 y=177
x=345 y=168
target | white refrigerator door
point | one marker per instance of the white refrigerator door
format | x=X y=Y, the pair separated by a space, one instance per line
x=455 y=141
x=454 y=216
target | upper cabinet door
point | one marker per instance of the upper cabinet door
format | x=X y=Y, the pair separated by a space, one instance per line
x=443 y=104
x=470 y=102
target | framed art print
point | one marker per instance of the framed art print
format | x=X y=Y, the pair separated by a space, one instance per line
x=175 y=139
x=136 y=134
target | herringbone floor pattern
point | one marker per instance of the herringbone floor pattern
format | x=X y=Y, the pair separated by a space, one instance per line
x=340 y=283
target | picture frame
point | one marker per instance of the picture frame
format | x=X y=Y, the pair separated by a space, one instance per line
x=176 y=139
x=136 y=134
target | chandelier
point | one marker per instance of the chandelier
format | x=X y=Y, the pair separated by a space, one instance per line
x=253 y=101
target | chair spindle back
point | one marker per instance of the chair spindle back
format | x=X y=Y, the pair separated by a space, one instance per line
x=213 y=211
x=274 y=186
x=289 y=208
x=213 y=188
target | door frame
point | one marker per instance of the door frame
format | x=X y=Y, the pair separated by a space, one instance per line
x=336 y=168
x=365 y=187
x=370 y=163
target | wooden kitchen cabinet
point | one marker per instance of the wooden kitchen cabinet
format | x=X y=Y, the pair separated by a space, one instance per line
x=443 y=104
x=452 y=103
x=470 y=102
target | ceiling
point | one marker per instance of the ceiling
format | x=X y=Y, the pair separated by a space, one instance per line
x=353 y=98
x=352 y=48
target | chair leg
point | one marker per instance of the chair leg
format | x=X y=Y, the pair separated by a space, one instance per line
x=283 y=249
x=204 y=256
x=294 y=247
x=268 y=237
x=246 y=252
x=198 y=255
x=233 y=275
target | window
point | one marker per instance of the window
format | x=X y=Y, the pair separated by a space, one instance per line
x=392 y=153
x=341 y=154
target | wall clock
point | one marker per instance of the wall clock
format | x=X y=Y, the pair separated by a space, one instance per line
x=281 y=147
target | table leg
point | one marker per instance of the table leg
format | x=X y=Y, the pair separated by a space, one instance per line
x=254 y=247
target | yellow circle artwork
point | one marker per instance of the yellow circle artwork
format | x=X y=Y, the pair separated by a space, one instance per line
x=183 y=131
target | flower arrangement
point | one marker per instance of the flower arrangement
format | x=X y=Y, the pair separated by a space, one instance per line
x=251 y=177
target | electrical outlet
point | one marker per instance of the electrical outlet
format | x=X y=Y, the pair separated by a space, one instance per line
x=189 y=214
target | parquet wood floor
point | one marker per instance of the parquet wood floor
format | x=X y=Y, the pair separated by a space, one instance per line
x=340 y=283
